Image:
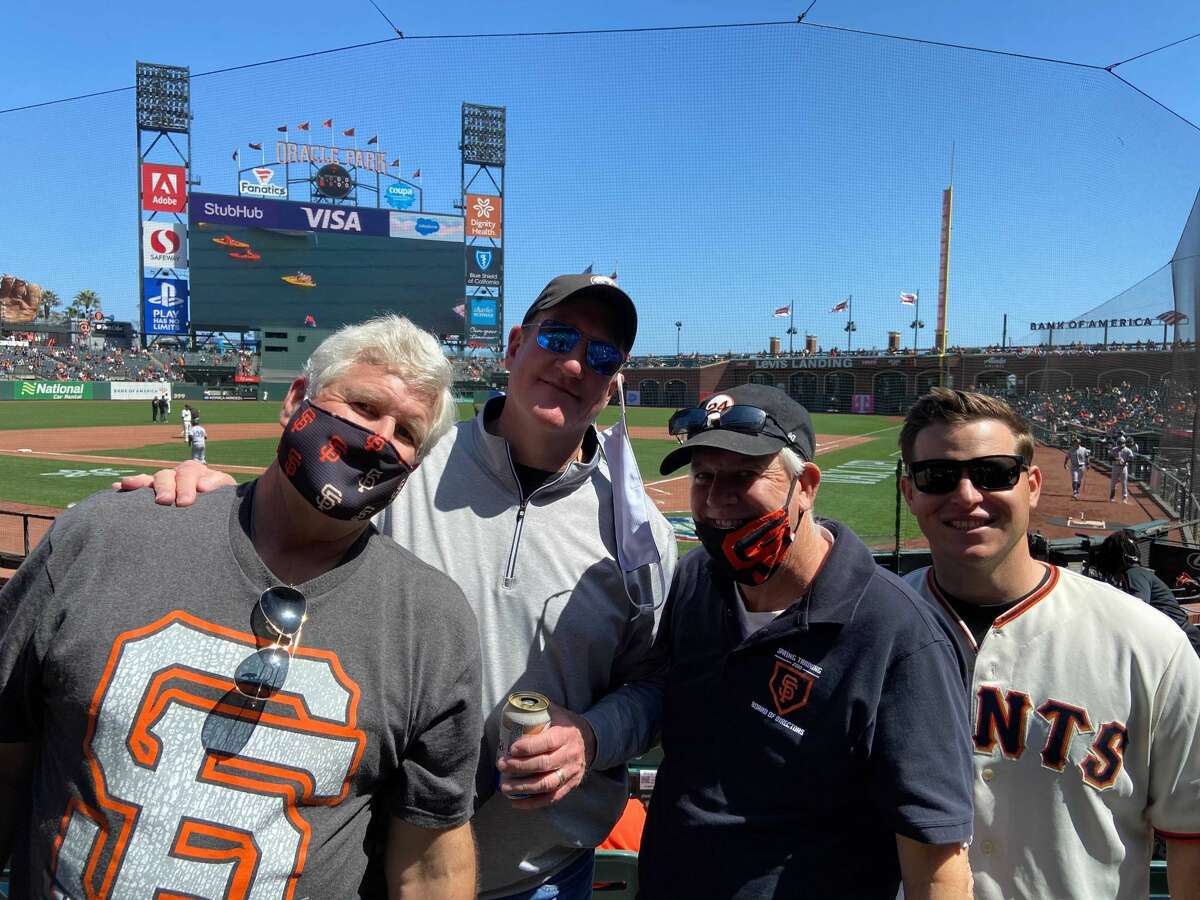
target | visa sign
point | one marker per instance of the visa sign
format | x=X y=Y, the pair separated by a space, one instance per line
x=164 y=306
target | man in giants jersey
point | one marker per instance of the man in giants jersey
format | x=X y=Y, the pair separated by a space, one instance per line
x=1084 y=702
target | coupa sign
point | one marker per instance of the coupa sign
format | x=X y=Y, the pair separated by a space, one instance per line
x=53 y=390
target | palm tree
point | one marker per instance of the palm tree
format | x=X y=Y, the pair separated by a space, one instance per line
x=50 y=300
x=85 y=302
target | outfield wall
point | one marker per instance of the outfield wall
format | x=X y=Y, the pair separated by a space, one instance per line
x=83 y=390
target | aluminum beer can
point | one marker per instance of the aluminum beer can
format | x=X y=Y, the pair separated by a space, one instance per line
x=525 y=712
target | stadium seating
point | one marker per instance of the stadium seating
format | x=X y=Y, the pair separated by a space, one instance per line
x=616 y=875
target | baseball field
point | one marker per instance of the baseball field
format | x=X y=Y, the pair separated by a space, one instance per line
x=56 y=452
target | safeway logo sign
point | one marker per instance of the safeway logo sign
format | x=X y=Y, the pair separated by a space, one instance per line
x=262 y=186
x=164 y=188
x=162 y=245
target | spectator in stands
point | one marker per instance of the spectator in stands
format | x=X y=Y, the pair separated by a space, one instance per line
x=189 y=743
x=1119 y=562
x=578 y=616
x=815 y=734
x=1086 y=705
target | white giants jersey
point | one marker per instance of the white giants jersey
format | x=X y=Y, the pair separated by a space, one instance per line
x=1079 y=457
x=1084 y=713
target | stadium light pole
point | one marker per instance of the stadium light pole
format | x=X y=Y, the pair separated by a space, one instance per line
x=678 y=333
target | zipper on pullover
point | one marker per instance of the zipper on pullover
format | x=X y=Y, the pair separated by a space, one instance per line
x=510 y=568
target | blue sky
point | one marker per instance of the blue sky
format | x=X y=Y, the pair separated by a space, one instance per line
x=723 y=172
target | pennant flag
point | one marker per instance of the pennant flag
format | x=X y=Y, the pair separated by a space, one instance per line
x=613 y=276
x=349 y=132
x=908 y=299
x=303 y=126
x=328 y=123
x=783 y=312
x=841 y=307
x=588 y=270
x=255 y=146
x=394 y=162
x=282 y=128
x=235 y=156
x=374 y=140
x=417 y=174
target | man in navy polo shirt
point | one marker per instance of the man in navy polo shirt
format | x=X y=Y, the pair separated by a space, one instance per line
x=815 y=730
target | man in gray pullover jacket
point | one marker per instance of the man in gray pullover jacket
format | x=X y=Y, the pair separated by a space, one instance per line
x=516 y=506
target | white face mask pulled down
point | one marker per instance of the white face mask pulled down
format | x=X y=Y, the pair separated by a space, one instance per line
x=631 y=507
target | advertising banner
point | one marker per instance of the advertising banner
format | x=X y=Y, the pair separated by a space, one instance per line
x=164 y=188
x=137 y=390
x=254 y=212
x=400 y=195
x=633 y=398
x=863 y=404
x=485 y=267
x=483 y=325
x=484 y=216
x=263 y=185
x=52 y=390
x=426 y=226
x=165 y=305
x=163 y=245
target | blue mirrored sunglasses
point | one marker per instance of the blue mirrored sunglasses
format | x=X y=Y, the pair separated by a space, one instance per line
x=558 y=337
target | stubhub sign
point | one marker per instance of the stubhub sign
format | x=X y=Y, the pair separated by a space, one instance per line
x=164 y=306
x=255 y=212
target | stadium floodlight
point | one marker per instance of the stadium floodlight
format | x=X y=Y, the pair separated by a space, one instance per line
x=164 y=98
x=483 y=129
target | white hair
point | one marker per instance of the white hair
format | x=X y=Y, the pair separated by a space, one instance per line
x=404 y=350
x=791 y=462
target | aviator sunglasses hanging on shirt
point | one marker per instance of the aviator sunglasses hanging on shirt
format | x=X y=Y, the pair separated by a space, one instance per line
x=988 y=473
x=602 y=357
x=341 y=468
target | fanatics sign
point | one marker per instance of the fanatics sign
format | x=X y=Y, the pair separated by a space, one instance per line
x=164 y=188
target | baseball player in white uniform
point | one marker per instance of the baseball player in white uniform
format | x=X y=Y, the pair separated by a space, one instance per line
x=185 y=415
x=1085 y=705
x=199 y=442
x=1077 y=460
x=1120 y=456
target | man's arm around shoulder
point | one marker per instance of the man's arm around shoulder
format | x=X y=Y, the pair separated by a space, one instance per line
x=430 y=863
x=934 y=871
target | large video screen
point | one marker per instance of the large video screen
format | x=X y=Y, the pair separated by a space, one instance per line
x=337 y=265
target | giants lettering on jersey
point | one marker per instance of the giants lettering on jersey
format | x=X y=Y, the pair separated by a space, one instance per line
x=1002 y=720
x=172 y=817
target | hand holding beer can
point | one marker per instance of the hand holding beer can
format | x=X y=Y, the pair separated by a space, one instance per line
x=525 y=712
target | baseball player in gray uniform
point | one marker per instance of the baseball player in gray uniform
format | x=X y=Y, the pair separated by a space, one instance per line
x=1085 y=702
x=1077 y=459
x=1120 y=456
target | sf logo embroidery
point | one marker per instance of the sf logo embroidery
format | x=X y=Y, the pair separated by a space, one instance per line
x=306 y=418
x=333 y=451
x=790 y=688
x=292 y=465
x=329 y=498
x=369 y=481
x=375 y=443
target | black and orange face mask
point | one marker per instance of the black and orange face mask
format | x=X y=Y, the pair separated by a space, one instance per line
x=751 y=553
x=341 y=468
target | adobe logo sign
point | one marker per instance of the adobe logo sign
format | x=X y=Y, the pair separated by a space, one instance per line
x=164 y=188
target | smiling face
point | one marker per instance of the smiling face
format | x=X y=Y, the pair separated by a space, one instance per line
x=729 y=489
x=558 y=392
x=970 y=527
x=375 y=399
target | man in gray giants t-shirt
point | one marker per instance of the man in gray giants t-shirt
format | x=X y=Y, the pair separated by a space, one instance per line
x=232 y=719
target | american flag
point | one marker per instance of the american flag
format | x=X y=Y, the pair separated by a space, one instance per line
x=783 y=312
x=1172 y=317
x=841 y=307
x=908 y=299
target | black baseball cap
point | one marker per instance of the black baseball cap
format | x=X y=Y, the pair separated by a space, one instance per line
x=789 y=417
x=600 y=287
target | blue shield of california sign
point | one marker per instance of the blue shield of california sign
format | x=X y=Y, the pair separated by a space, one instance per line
x=485 y=267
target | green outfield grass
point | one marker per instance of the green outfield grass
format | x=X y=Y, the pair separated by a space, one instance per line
x=868 y=508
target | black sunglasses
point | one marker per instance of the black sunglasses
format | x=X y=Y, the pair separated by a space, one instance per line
x=987 y=473
x=602 y=357
x=284 y=610
x=745 y=419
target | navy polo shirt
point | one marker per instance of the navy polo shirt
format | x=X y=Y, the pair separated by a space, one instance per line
x=795 y=754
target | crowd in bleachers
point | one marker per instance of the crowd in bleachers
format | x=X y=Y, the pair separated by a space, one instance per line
x=1114 y=408
x=21 y=357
